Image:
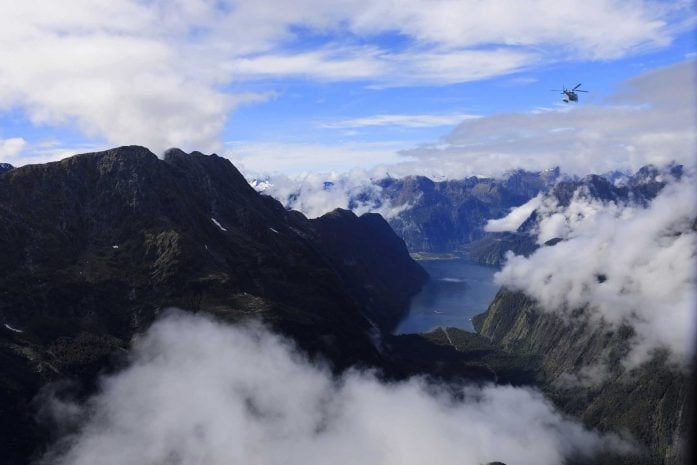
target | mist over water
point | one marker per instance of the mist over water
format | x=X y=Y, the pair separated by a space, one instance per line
x=457 y=291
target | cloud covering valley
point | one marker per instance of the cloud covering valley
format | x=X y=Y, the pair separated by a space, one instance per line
x=198 y=391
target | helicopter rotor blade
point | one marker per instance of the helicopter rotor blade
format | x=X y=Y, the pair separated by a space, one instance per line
x=579 y=90
x=577 y=86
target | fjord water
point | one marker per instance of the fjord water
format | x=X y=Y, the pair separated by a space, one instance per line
x=457 y=291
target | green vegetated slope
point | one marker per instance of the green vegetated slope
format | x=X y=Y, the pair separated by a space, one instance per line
x=652 y=401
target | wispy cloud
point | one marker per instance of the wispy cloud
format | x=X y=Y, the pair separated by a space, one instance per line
x=381 y=67
x=295 y=158
x=410 y=121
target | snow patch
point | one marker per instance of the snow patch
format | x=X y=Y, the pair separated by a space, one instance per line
x=13 y=329
x=218 y=224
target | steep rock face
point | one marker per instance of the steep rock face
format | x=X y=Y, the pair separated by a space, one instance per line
x=651 y=401
x=4 y=167
x=365 y=250
x=94 y=246
x=492 y=249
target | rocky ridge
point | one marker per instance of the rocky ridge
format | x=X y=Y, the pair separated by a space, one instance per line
x=651 y=402
x=94 y=247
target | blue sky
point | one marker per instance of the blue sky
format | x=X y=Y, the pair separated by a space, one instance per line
x=310 y=85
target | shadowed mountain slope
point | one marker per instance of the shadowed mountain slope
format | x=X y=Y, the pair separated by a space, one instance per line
x=93 y=247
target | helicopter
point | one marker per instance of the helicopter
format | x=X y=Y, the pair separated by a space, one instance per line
x=570 y=94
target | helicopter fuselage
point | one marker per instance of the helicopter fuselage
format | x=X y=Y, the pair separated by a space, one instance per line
x=571 y=96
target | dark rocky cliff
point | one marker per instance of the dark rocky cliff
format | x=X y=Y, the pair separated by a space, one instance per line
x=93 y=247
x=651 y=401
x=373 y=262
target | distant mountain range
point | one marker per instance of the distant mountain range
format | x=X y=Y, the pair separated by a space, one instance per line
x=445 y=216
x=639 y=188
x=450 y=216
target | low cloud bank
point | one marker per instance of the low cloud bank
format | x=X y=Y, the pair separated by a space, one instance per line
x=315 y=194
x=626 y=264
x=198 y=391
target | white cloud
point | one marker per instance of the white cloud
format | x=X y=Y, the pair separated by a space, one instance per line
x=315 y=194
x=384 y=68
x=10 y=148
x=624 y=263
x=112 y=70
x=512 y=221
x=411 y=121
x=200 y=392
x=335 y=64
x=604 y=30
x=155 y=73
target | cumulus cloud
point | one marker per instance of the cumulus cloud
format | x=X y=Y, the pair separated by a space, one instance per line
x=113 y=70
x=625 y=264
x=383 y=68
x=10 y=148
x=159 y=73
x=200 y=392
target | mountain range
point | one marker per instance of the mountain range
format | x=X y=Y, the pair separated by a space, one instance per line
x=451 y=216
